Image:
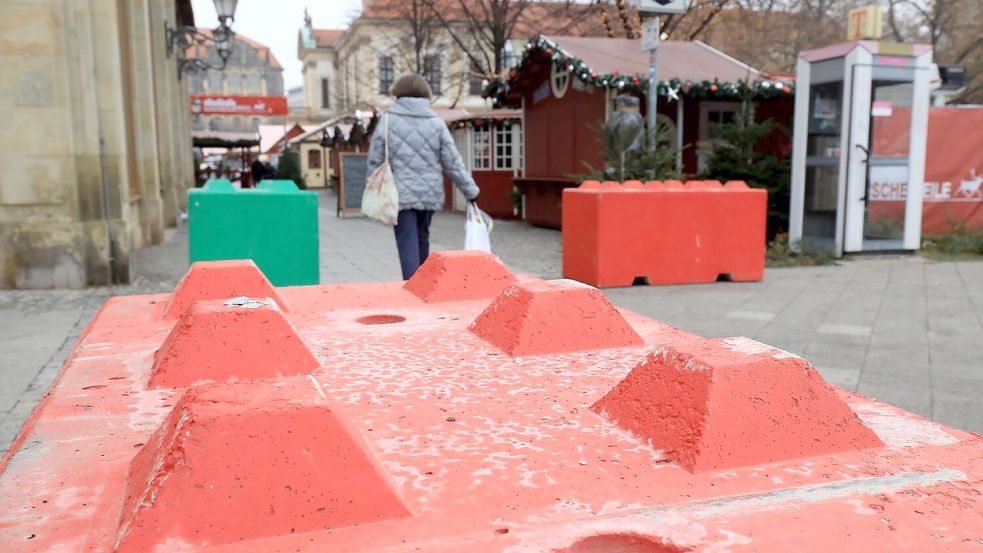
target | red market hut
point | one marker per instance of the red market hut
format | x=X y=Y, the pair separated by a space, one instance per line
x=566 y=86
x=491 y=146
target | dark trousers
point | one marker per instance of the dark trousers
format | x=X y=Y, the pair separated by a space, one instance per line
x=413 y=239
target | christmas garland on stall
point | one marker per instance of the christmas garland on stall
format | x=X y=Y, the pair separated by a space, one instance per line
x=761 y=89
x=478 y=120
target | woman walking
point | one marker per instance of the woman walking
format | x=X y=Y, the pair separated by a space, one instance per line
x=421 y=151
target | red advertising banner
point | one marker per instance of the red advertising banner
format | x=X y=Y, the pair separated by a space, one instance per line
x=953 y=170
x=204 y=104
x=953 y=194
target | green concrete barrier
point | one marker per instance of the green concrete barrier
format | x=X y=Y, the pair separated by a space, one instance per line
x=274 y=224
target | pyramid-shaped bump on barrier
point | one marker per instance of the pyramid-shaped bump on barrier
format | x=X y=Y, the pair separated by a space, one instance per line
x=251 y=460
x=717 y=404
x=535 y=318
x=220 y=280
x=458 y=276
x=236 y=339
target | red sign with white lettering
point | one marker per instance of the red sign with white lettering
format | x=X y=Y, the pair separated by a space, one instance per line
x=202 y=104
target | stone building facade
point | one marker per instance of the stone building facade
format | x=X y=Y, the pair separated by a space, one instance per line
x=351 y=69
x=252 y=70
x=95 y=141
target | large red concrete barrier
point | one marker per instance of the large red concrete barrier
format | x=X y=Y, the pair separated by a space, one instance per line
x=715 y=404
x=219 y=280
x=251 y=460
x=460 y=275
x=540 y=419
x=663 y=232
x=552 y=317
x=235 y=339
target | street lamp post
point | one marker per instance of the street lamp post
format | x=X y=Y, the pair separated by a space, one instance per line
x=182 y=38
x=650 y=41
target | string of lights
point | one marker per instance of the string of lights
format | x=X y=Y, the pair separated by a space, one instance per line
x=623 y=14
x=604 y=19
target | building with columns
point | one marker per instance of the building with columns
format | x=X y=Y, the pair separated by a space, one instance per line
x=95 y=137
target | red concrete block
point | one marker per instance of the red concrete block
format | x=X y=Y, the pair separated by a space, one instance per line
x=557 y=316
x=251 y=460
x=590 y=185
x=633 y=185
x=703 y=185
x=220 y=280
x=237 y=339
x=736 y=184
x=674 y=185
x=672 y=234
x=716 y=404
x=459 y=275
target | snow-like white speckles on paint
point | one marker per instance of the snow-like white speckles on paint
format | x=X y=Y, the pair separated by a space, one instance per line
x=899 y=429
x=748 y=346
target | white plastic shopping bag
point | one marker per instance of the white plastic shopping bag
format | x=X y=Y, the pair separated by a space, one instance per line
x=476 y=228
x=380 y=200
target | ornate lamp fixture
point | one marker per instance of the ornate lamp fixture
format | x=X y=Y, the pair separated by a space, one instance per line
x=182 y=38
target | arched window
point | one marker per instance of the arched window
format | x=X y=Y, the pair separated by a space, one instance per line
x=559 y=79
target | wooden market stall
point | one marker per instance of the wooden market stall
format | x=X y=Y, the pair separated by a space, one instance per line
x=565 y=87
x=491 y=146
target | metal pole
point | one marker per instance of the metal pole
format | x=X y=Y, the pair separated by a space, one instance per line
x=653 y=87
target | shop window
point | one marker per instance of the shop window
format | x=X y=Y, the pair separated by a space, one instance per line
x=504 y=147
x=431 y=72
x=715 y=115
x=313 y=159
x=481 y=153
x=519 y=147
x=385 y=74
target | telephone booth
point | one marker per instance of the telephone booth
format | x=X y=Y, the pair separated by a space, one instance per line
x=858 y=161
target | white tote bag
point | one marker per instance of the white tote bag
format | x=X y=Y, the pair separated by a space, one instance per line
x=380 y=200
x=476 y=228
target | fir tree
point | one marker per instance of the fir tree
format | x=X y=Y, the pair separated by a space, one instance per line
x=289 y=169
x=623 y=163
x=739 y=156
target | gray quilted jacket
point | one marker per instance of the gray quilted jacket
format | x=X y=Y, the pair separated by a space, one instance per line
x=421 y=150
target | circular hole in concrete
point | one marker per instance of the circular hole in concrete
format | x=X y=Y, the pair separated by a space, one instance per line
x=380 y=319
x=622 y=543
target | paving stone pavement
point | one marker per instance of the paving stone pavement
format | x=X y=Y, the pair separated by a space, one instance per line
x=902 y=330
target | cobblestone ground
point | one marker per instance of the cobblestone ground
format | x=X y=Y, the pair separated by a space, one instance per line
x=902 y=330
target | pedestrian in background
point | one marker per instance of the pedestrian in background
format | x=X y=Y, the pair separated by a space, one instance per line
x=258 y=171
x=421 y=152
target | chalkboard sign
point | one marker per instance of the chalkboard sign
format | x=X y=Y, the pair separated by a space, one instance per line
x=352 y=176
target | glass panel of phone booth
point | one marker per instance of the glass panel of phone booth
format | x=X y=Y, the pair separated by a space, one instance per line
x=887 y=164
x=822 y=170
